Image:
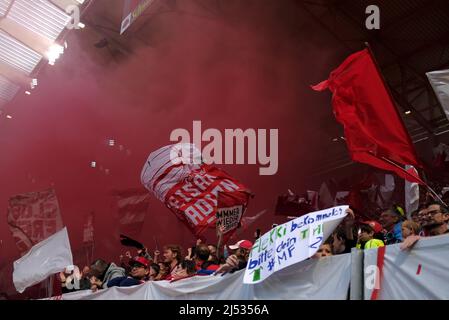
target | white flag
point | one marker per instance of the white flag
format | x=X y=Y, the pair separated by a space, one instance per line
x=440 y=84
x=46 y=258
x=411 y=195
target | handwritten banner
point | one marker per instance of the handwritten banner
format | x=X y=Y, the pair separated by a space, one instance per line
x=291 y=242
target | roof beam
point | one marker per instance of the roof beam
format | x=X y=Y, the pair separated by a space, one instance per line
x=14 y=75
x=29 y=38
x=63 y=4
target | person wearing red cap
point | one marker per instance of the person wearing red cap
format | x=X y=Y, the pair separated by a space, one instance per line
x=367 y=235
x=239 y=259
x=140 y=270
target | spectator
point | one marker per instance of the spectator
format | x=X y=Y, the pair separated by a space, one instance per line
x=213 y=253
x=154 y=271
x=103 y=272
x=434 y=221
x=325 y=250
x=239 y=259
x=415 y=216
x=172 y=256
x=343 y=239
x=391 y=221
x=140 y=270
x=367 y=233
x=340 y=242
x=410 y=228
x=73 y=280
x=185 y=269
x=204 y=266
x=164 y=270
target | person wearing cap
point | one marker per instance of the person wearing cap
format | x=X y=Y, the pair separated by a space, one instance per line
x=239 y=259
x=367 y=235
x=391 y=220
x=140 y=270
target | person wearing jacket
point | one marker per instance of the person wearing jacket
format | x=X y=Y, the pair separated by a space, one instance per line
x=103 y=272
x=140 y=271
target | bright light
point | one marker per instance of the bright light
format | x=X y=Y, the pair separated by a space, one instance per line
x=81 y=25
x=111 y=142
x=408 y=112
x=9 y=117
x=54 y=52
x=93 y=164
x=27 y=92
x=33 y=83
x=80 y=1
x=335 y=139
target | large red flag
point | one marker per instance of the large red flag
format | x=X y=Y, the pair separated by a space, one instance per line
x=374 y=131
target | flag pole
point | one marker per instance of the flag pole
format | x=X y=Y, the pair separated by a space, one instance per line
x=433 y=193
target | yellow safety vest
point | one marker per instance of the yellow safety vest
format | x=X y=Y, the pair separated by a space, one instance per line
x=373 y=243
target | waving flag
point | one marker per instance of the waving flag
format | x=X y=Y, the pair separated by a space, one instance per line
x=190 y=188
x=33 y=217
x=440 y=84
x=374 y=131
x=44 y=259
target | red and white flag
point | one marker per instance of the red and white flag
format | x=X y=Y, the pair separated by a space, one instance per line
x=132 y=206
x=190 y=188
x=33 y=217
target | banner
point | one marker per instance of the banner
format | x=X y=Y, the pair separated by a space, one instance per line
x=440 y=84
x=44 y=259
x=33 y=217
x=131 y=11
x=132 y=206
x=416 y=274
x=291 y=242
x=326 y=278
x=190 y=189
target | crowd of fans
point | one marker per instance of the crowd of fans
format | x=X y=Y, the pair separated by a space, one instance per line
x=205 y=259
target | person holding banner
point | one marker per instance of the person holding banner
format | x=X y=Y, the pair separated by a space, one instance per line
x=434 y=221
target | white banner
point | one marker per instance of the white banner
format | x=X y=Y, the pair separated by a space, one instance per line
x=291 y=242
x=325 y=278
x=44 y=259
x=417 y=274
x=440 y=83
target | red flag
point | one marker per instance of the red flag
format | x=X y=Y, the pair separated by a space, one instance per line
x=374 y=131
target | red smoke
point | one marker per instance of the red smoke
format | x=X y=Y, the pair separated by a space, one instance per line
x=249 y=66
